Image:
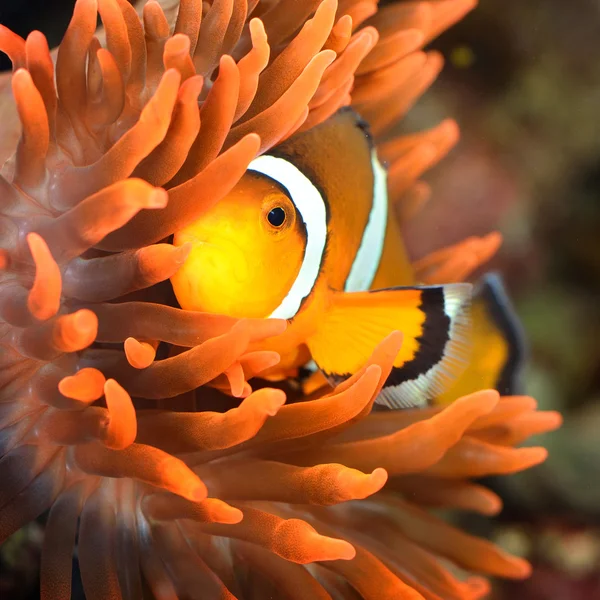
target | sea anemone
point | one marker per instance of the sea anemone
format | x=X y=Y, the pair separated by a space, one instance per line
x=105 y=385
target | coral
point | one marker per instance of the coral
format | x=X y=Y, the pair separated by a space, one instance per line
x=104 y=385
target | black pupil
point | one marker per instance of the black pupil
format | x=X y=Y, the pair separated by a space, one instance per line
x=276 y=216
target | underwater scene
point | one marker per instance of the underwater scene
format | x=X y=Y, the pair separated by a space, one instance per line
x=299 y=300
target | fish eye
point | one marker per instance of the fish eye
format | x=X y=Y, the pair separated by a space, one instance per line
x=276 y=216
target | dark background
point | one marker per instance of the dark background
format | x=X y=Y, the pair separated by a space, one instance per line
x=23 y=16
x=523 y=81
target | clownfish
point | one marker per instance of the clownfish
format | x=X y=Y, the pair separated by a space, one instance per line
x=307 y=235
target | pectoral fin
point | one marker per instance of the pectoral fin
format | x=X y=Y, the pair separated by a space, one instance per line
x=499 y=348
x=434 y=321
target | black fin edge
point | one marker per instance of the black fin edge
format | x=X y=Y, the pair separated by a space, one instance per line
x=501 y=309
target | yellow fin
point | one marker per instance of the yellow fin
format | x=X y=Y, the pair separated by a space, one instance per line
x=498 y=340
x=434 y=321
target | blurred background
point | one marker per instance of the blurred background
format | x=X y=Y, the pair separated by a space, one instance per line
x=523 y=81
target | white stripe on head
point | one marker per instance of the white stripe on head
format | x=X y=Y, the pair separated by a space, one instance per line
x=311 y=206
x=367 y=259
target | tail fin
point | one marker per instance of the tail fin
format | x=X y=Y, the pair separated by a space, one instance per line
x=499 y=346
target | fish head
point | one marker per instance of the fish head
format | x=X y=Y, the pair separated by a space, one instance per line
x=246 y=251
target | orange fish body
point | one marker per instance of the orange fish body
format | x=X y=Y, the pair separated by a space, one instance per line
x=307 y=236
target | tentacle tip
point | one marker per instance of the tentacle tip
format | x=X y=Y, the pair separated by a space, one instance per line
x=485 y=400
x=36 y=34
x=377 y=479
x=33 y=238
x=479 y=587
x=237 y=386
x=275 y=402
x=533 y=456
x=87 y=385
x=226 y=61
x=449 y=128
x=362 y=485
x=192 y=88
x=262 y=328
x=257 y=28
x=140 y=355
x=343 y=549
x=67 y=387
x=552 y=420
x=278 y=326
x=327 y=548
x=158 y=198
x=230 y=514
x=518 y=568
x=373 y=371
x=42 y=311
x=171 y=76
x=111 y=386
x=328 y=56
x=521 y=459
x=85 y=321
x=417 y=37
x=491 y=396
x=183 y=252
x=492 y=508
x=373 y=35
x=270 y=359
x=395 y=339
x=493 y=236
x=179 y=43
x=252 y=140
x=196 y=493
x=20 y=76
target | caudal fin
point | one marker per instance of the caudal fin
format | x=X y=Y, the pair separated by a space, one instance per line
x=498 y=341
x=500 y=310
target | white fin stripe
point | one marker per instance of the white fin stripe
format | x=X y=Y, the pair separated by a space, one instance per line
x=367 y=259
x=311 y=206
x=456 y=356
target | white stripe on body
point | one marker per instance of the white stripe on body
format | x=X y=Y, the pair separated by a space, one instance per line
x=367 y=259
